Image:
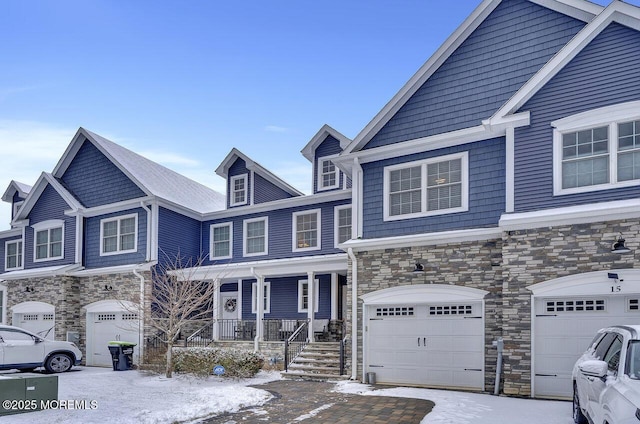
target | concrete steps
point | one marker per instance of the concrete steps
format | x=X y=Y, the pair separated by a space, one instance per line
x=318 y=361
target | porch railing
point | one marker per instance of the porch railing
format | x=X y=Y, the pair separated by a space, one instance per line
x=295 y=343
x=202 y=337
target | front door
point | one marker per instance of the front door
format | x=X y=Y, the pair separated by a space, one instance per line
x=229 y=325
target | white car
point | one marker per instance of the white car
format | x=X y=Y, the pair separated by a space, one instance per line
x=25 y=351
x=606 y=379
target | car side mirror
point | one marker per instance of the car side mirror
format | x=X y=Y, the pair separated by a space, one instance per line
x=38 y=340
x=594 y=368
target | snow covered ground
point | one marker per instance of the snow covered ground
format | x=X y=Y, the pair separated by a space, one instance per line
x=135 y=397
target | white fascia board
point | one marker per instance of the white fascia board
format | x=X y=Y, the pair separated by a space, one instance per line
x=37 y=190
x=308 y=150
x=617 y=11
x=121 y=269
x=424 y=73
x=583 y=214
x=425 y=239
x=50 y=271
x=578 y=9
x=10 y=233
x=110 y=207
x=293 y=202
x=319 y=264
x=14 y=185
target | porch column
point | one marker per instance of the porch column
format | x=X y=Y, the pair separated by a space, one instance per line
x=334 y=296
x=311 y=303
x=260 y=307
x=217 y=310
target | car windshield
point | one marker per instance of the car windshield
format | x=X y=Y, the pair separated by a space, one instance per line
x=633 y=360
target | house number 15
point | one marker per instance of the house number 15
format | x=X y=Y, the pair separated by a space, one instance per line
x=616 y=289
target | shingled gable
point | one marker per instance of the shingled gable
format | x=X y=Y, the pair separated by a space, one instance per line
x=578 y=9
x=618 y=11
x=152 y=178
x=223 y=171
x=308 y=150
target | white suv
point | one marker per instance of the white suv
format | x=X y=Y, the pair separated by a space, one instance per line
x=20 y=349
x=606 y=379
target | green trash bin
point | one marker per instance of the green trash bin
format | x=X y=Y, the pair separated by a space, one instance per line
x=121 y=355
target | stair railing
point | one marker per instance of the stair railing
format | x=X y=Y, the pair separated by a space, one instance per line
x=294 y=344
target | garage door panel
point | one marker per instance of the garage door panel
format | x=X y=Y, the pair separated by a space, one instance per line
x=107 y=327
x=467 y=360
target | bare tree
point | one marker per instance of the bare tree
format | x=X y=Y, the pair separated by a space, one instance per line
x=179 y=298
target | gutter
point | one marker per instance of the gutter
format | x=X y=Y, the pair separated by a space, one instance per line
x=354 y=314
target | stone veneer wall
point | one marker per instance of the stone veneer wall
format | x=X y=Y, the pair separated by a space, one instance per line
x=69 y=295
x=469 y=264
x=534 y=256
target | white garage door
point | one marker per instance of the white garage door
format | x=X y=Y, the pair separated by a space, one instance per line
x=36 y=317
x=440 y=345
x=110 y=326
x=564 y=327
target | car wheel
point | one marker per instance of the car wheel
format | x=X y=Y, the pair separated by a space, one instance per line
x=58 y=362
x=578 y=416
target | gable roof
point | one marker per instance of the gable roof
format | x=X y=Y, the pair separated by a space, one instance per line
x=309 y=150
x=579 y=9
x=33 y=196
x=234 y=154
x=617 y=11
x=152 y=178
x=16 y=186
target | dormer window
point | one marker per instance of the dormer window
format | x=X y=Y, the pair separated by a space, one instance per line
x=327 y=174
x=16 y=208
x=238 y=190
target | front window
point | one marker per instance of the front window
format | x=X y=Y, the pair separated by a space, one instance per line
x=429 y=187
x=48 y=244
x=343 y=224
x=306 y=230
x=303 y=296
x=221 y=241
x=13 y=255
x=266 y=298
x=255 y=236
x=118 y=235
x=327 y=174
x=633 y=361
x=238 y=190
x=597 y=149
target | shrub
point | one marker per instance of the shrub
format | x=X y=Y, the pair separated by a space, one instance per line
x=201 y=360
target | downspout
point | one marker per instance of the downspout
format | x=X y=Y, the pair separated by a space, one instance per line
x=354 y=314
x=149 y=220
x=259 y=308
x=499 y=344
x=141 y=314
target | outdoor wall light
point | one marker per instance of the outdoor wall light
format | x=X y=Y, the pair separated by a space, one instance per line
x=619 y=247
x=418 y=268
x=108 y=288
x=28 y=289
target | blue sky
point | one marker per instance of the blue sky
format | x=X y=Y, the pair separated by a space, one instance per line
x=183 y=82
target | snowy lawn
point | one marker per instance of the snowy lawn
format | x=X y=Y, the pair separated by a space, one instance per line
x=135 y=397
x=462 y=407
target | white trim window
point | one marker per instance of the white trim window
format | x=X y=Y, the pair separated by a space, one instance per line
x=597 y=149
x=306 y=230
x=238 y=190
x=119 y=235
x=48 y=240
x=13 y=255
x=428 y=187
x=342 y=219
x=256 y=237
x=267 y=297
x=221 y=240
x=328 y=174
x=303 y=295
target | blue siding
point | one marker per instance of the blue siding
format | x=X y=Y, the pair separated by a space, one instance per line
x=239 y=167
x=92 y=258
x=284 y=298
x=94 y=180
x=514 y=41
x=486 y=193
x=50 y=206
x=280 y=236
x=330 y=146
x=265 y=191
x=229 y=287
x=178 y=236
x=3 y=256
x=604 y=73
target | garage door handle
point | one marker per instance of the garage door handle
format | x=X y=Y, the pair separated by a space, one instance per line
x=418 y=341
x=546 y=375
x=473 y=369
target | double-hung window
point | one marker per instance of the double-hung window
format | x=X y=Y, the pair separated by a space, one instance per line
x=256 y=236
x=328 y=176
x=428 y=187
x=306 y=230
x=13 y=255
x=49 y=243
x=597 y=149
x=238 y=188
x=342 y=219
x=118 y=235
x=303 y=295
x=221 y=240
x=266 y=299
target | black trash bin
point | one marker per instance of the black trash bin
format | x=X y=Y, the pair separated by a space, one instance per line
x=121 y=355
